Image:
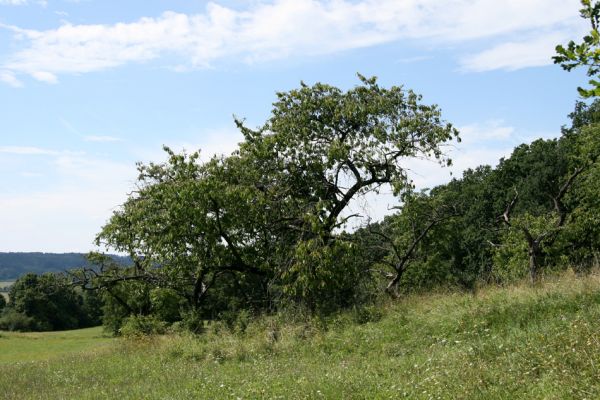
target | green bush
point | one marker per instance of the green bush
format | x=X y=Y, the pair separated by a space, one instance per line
x=166 y=304
x=236 y=321
x=141 y=325
x=192 y=322
x=12 y=320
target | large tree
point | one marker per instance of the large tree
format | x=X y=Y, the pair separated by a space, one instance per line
x=324 y=148
x=265 y=222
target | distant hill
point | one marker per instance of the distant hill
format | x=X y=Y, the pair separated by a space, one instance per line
x=13 y=265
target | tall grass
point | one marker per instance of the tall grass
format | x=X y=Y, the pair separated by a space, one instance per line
x=500 y=343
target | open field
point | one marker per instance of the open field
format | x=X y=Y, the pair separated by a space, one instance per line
x=24 y=347
x=502 y=343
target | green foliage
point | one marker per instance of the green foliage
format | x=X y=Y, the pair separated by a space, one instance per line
x=137 y=326
x=511 y=261
x=2 y=303
x=47 y=302
x=191 y=322
x=586 y=53
x=262 y=228
x=12 y=320
x=557 y=204
x=323 y=276
x=123 y=299
x=165 y=304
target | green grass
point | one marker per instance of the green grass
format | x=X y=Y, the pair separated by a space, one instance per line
x=503 y=343
x=24 y=347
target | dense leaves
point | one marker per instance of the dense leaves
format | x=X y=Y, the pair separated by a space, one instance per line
x=262 y=229
x=47 y=303
x=268 y=228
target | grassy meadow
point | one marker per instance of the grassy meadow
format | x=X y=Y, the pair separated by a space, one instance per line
x=16 y=347
x=500 y=343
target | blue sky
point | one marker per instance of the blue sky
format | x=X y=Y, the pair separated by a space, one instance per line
x=89 y=87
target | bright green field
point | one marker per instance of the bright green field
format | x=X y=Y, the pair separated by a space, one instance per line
x=21 y=347
x=512 y=343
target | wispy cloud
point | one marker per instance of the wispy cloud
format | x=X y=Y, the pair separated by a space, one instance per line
x=531 y=52
x=10 y=79
x=42 y=3
x=485 y=132
x=410 y=60
x=29 y=174
x=84 y=191
x=102 y=139
x=13 y=2
x=27 y=151
x=268 y=30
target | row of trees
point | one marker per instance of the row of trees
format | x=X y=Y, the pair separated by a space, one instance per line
x=536 y=211
x=48 y=303
x=263 y=229
x=266 y=228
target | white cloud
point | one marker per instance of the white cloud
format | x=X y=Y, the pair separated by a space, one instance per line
x=485 y=132
x=278 y=28
x=61 y=220
x=29 y=174
x=13 y=2
x=43 y=76
x=68 y=215
x=534 y=52
x=42 y=3
x=10 y=79
x=102 y=139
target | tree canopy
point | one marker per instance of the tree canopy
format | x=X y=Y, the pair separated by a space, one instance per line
x=265 y=222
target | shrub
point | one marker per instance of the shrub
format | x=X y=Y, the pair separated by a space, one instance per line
x=141 y=325
x=15 y=321
x=192 y=322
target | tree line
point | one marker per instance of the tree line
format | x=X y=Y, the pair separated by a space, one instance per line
x=263 y=230
x=267 y=229
x=14 y=265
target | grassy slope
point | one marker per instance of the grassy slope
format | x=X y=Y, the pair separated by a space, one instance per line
x=501 y=344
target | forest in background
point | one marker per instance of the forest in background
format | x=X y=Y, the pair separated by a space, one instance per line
x=14 y=265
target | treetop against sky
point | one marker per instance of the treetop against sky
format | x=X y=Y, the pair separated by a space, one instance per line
x=89 y=87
